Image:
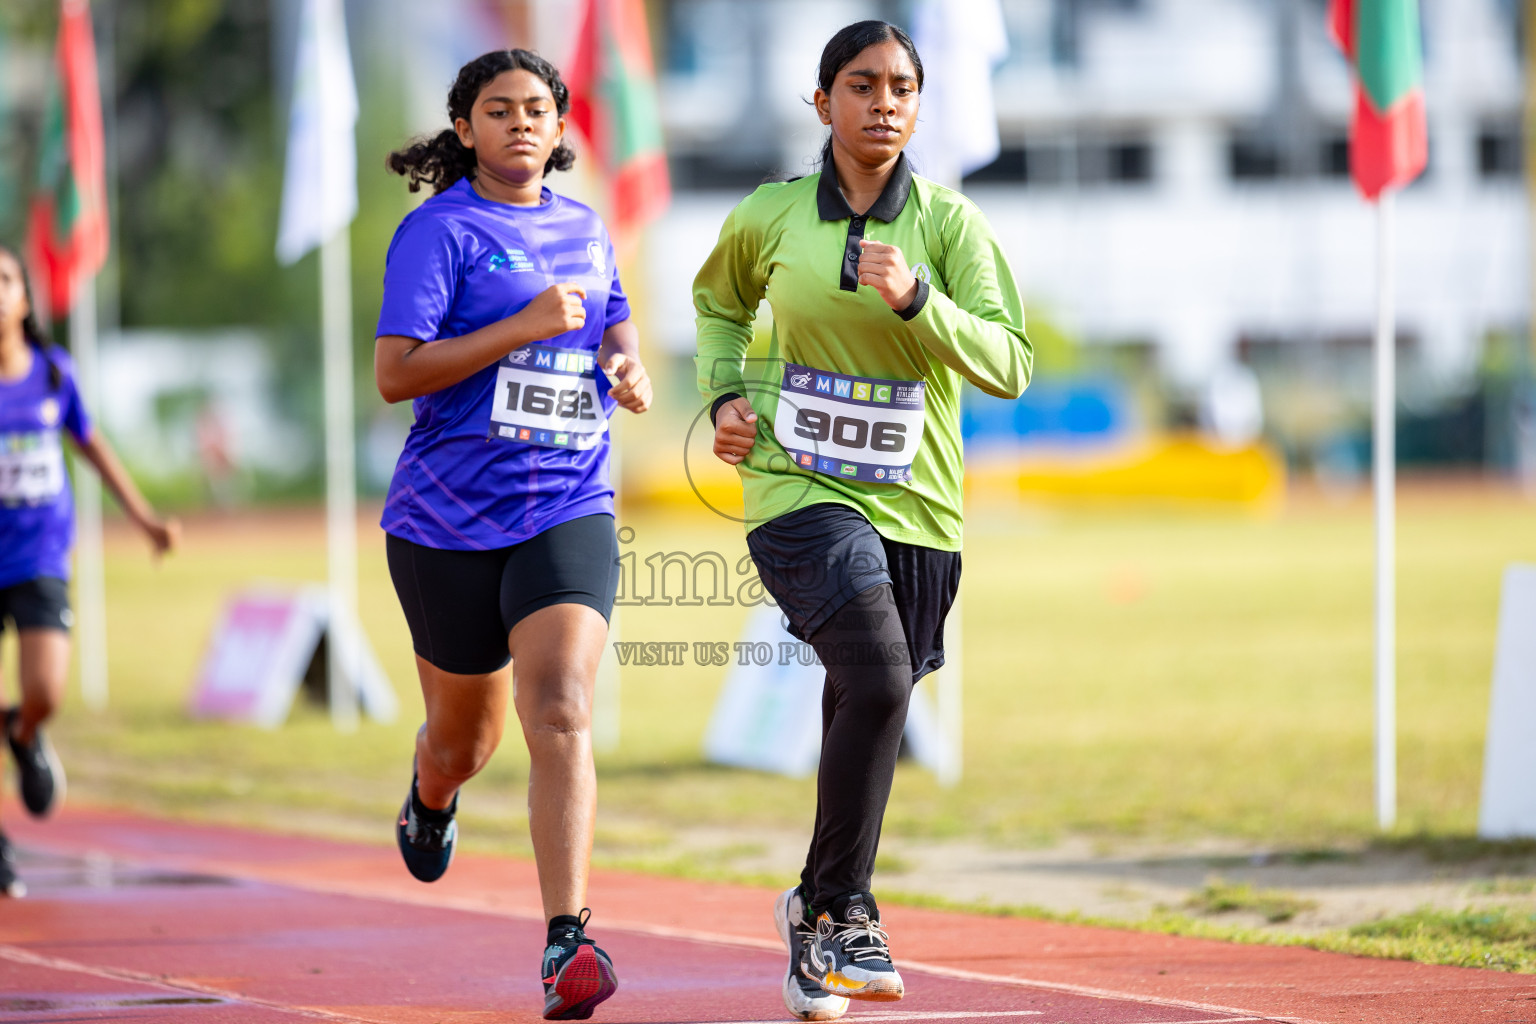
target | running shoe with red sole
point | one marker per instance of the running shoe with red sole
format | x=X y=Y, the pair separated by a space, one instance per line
x=577 y=976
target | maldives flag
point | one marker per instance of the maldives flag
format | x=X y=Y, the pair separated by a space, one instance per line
x=1389 y=141
x=67 y=230
x=613 y=104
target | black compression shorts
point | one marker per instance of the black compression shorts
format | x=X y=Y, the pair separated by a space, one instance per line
x=461 y=605
x=41 y=603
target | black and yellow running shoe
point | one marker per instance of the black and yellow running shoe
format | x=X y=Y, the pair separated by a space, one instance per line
x=851 y=954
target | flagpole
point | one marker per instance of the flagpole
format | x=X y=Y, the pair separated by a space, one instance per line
x=90 y=557
x=1384 y=478
x=340 y=473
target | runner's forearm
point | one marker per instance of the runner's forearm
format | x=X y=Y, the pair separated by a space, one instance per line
x=406 y=368
x=98 y=452
x=623 y=338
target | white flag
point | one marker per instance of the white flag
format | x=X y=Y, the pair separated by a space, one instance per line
x=320 y=176
x=961 y=42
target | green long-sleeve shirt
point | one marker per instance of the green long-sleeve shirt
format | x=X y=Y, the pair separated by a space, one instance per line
x=796 y=243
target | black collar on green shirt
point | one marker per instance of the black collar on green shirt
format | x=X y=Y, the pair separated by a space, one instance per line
x=831 y=205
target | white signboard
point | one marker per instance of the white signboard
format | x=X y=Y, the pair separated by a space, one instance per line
x=265 y=645
x=1509 y=760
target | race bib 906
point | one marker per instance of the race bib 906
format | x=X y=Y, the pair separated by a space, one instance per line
x=853 y=428
x=548 y=396
x=31 y=468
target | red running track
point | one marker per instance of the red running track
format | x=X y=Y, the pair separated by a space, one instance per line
x=146 y=920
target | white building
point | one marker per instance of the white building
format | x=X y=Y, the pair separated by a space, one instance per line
x=1174 y=172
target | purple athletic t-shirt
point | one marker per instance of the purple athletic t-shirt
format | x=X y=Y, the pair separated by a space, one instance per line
x=521 y=446
x=37 y=515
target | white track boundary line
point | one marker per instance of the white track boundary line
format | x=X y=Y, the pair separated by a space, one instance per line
x=767 y=945
x=248 y=873
x=30 y=959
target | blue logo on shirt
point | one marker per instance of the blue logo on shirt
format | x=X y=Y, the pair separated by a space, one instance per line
x=513 y=259
x=842 y=388
x=541 y=359
x=824 y=384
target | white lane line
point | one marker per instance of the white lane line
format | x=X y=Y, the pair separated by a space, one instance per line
x=253 y=873
x=30 y=959
x=891 y=1015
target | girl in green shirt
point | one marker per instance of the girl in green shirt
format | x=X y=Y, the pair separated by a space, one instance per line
x=887 y=291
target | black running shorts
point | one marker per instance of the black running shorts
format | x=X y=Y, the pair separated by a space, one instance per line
x=461 y=605
x=41 y=603
x=816 y=559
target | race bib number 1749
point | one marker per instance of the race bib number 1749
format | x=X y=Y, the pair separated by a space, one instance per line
x=855 y=428
x=548 y=396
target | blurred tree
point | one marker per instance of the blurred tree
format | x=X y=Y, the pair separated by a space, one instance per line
x=198 y=164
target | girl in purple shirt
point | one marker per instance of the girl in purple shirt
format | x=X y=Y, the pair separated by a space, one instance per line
x=39 y=404
x=504 y=319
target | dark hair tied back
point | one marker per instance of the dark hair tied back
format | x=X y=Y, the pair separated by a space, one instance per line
x=30 y=328
x=847 y=44
x=441 y=159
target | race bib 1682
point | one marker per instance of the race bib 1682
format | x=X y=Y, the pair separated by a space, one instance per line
x=854 y=428
x=548 y=396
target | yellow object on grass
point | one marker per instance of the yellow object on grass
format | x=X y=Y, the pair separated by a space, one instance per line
x=1166 y=469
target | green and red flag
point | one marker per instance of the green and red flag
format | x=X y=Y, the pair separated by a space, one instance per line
x=1389 y=140
x=613 y=104
x=67 y=229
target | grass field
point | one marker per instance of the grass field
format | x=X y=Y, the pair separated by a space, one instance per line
x=1132 y=674
x=1128 y=673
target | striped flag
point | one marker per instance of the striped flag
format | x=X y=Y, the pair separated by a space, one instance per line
x=1389 y=140
x=613 y=104
x=67 y=234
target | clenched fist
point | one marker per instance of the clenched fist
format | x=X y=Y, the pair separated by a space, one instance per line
x=735 y=431
x=555 y=310
x=884 y=269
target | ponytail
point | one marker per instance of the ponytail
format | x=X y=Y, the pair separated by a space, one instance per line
x=439 y=160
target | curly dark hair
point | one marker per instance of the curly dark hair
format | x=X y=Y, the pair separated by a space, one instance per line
x=29 y=325
x=441 y=159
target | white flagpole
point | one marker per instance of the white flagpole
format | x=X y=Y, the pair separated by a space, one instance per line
x=90 y=557
x=340 y=474
x=1384 y=477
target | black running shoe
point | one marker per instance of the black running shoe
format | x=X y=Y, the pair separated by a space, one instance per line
x=38 y=770
x=577 y=973
x=851 y=954
x=803 y=998
x=426 y=836
x=10 y=885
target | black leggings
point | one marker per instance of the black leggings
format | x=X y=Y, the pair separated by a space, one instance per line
x=863 y=714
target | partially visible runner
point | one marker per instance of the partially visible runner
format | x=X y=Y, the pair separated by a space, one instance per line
x=888 y=291
x=504 y=319
x=38 y=400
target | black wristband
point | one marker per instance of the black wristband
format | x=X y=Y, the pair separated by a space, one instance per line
x=918 y=301
x=714 y=410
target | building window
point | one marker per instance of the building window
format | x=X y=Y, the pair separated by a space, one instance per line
x=1333 y=161
x=1062 y=161
x=1253 y=158
x=1498 y=150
